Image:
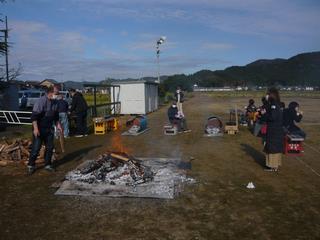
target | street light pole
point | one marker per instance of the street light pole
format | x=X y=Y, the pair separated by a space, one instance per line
x=7 y=52
x=159 y=42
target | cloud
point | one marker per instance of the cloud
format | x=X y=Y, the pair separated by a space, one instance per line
x=217 y=46
x=47 y=53
x=251 y=17
x=124 y=33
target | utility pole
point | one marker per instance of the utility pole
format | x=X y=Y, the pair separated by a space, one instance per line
x=159 y=42
x=6 y=47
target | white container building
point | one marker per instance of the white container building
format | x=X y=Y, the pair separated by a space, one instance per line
x=136 y=97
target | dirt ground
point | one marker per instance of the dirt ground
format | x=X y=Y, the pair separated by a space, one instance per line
x=284 y=205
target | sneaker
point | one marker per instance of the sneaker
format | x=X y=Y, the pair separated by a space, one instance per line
x=268 y=169
x=78 y=136
x=49 y=168
x=186 y=131
x=86 y=135
x=31 y=170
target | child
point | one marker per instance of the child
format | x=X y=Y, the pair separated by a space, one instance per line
x=251 y=110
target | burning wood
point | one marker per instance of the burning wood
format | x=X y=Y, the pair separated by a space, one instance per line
x=19 y=151
x=115 y=169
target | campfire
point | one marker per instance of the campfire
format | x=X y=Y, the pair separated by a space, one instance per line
x=114 y=169
x=116 y=174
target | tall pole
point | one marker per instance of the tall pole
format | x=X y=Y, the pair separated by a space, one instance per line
x=158 y=60
x=6 y=49
x=159 y=42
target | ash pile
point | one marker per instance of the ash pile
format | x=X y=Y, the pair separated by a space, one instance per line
x=120 y=175
x=114 y=169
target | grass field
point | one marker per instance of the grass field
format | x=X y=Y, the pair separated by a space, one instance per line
x=101 y=98
x=283 y=206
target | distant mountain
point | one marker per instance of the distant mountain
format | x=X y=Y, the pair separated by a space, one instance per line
x=162 y=78
x=76 y=85
x=300 y=70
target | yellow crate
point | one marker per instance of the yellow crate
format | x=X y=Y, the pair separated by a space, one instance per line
x=99 y=126
x=112 y=124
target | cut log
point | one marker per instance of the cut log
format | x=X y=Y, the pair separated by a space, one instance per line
x=25 y=152
x=40 y=161
x=11 y=149
x=3 y=163
x=120 y=157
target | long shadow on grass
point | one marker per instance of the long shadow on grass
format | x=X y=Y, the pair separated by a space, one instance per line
x=258 y=156
x=76 y=155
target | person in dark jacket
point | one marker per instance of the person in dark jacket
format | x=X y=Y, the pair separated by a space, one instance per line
x=79 y=107
x=44 y=116
x=63 y=107
x=172 y=112
x=177 y=118
x=275 y=134
x=291 y=116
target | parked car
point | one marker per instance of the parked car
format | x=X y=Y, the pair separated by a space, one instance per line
x=27 y=98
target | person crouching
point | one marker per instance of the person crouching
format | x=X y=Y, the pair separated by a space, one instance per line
x=177 y=118
x=291 y=116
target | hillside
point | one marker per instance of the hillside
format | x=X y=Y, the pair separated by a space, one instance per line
x=302 y=69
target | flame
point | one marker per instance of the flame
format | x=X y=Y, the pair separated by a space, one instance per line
x=117 y=144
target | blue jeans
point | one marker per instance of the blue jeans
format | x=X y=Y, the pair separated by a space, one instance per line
x=63 y=118
x=46 y=137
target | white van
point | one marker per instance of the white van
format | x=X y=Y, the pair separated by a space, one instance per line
x=31 y=97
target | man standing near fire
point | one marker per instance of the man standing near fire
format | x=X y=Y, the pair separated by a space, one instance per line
x=44 y=116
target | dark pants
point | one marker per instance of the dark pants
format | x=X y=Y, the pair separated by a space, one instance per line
x=46 y=137
x=180 y=122
x=81 y=123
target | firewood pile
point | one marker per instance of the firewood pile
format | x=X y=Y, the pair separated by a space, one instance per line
x=18 y=151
